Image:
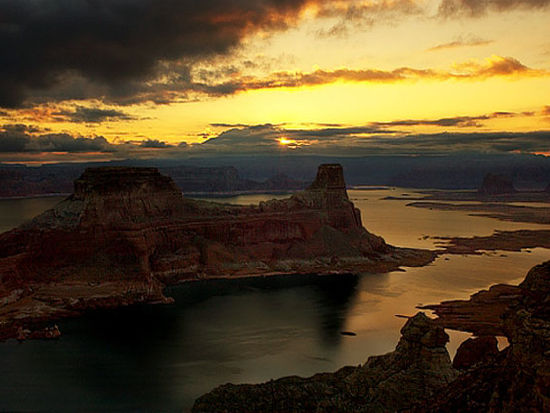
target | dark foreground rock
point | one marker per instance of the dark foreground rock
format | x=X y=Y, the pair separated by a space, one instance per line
x=126 y=233
x=418 y=368
x=418 y=375
x=474 y=351
x=517 y=379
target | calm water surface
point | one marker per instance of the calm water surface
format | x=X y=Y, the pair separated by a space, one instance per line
x=163 y=357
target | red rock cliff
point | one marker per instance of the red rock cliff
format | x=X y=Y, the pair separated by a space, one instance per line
x=132 y=226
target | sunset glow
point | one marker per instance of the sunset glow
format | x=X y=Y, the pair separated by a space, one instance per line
x=344 y=63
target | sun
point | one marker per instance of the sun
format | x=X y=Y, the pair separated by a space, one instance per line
x=284 y=141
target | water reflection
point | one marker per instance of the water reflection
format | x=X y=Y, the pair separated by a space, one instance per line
x=14 y=212
x=165 y=356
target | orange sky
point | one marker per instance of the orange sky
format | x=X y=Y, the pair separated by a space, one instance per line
x=349 y=63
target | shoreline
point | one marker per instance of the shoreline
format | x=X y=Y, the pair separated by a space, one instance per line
x=45 y=304
x=223 y=194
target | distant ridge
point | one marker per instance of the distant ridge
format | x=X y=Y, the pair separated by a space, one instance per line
x=494 y=184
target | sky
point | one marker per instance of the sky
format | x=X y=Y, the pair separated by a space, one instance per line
x=100 y=80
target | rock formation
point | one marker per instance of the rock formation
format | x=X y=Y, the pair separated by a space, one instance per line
x=474 y=351
x=496 y=185
x=517 y=379
x=418 y=368
x=418 y=376
x=127 y=232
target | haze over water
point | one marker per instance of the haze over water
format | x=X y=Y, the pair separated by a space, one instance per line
x=162 y=357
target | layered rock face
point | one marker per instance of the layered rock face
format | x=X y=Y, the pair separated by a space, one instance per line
x=132 y=229
x=496 y=185
x=418 y=368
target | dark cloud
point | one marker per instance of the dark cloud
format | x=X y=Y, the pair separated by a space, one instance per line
x=13 y=138
x=456 y=121
x=63 y=142
x=134 y=51
x=334 y=132
x=114 y=45
x=257 y=135
x=480 y=7
x=20 y=128
x=362 y=141
x=229 y=125
x=358 y=15
x=154 y=143
x=546 y=111
x=23 y=138
x=495 y=142
x=388 y=138
x=82 y=114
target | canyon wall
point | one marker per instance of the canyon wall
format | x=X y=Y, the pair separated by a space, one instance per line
x=132 y=227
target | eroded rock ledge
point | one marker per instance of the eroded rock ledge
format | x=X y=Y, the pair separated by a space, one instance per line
x=418 y=375
x=126 y=233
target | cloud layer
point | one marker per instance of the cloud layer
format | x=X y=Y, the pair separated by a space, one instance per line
x=384 y=138
x=461 y=42
x=81 y=114
x=22 y=138
x=118 y=44
x=450 y=8
x=131 y=51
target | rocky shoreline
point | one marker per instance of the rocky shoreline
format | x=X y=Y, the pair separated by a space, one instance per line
x=503 y=212
x=419 y=376
x=498 y=241
x=127 y=233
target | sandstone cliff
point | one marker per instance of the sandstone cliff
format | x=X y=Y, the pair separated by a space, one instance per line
x=127 y=232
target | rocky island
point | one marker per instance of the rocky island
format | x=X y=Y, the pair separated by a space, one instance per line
x=126 y=233
x=419 y=376
x=494 y=184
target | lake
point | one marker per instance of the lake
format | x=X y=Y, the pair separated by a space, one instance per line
x=162 y=357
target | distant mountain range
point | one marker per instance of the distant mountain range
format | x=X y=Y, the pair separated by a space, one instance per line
x=234 y=174
x=20 y=180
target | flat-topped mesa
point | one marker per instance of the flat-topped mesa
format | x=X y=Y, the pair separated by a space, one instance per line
x=328 y=192
x=330 y=177
x=494 y=184
x=114 y=195
x=118 y=179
